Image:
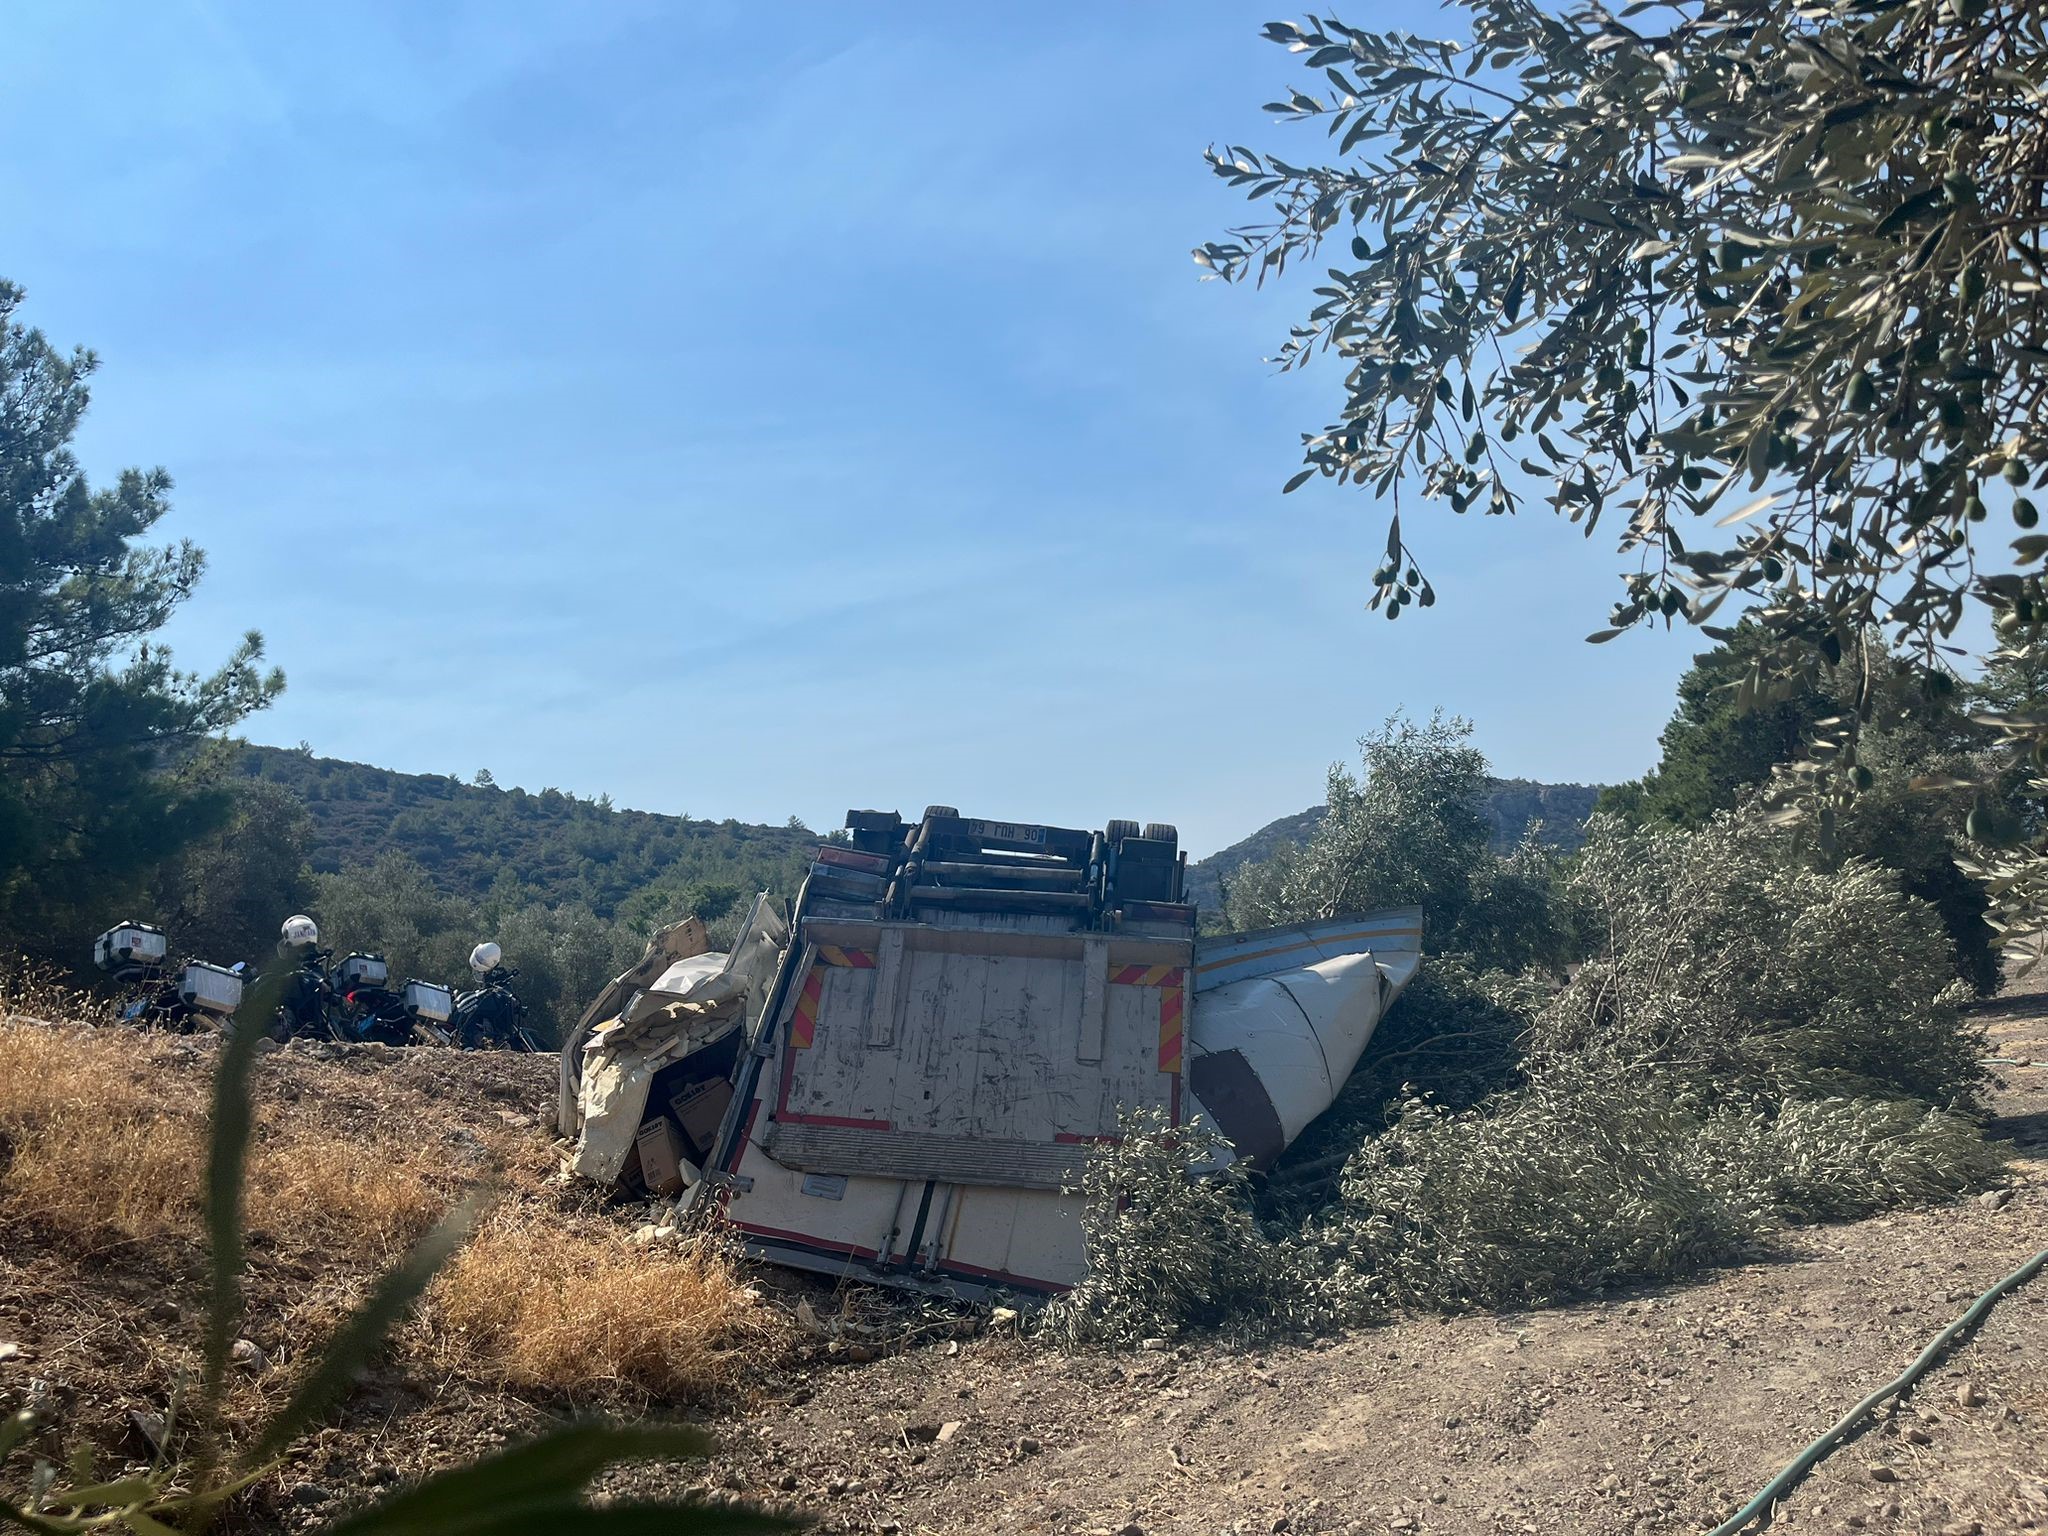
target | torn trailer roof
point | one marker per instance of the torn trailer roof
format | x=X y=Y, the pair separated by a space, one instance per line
x=900 y=1079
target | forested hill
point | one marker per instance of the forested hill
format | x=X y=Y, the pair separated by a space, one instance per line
x=556 y=847
x=1558 y=811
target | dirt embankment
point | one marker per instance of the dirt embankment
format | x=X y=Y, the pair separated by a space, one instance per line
x=1651 y=1411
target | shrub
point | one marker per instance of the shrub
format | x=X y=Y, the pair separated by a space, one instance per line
x=1734 y=963
x=1837 y=1159
x=1454 y=1038
x=1575 y=1180
x=1759 y=1041
x=1413 y=830
x=1408 y=832
x=1168 y=1249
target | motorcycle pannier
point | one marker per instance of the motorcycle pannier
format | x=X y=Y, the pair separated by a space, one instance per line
x=361 y=970
x=210 y=988
x=129 y=946
x=424 y=1000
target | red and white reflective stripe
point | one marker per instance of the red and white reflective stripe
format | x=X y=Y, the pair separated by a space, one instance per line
x=803 y=1023
x=1172 y=1010
x=1145 y=976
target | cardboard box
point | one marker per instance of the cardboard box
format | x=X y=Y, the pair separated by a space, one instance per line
x=700 y=1107
x=661 y=1156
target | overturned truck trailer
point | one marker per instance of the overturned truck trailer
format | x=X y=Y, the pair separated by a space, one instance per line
x=901 y=1080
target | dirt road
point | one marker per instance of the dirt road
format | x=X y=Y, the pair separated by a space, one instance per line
x=1655 y=1411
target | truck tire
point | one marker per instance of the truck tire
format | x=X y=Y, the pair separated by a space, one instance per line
x=1117 y=831
x=1161 y=831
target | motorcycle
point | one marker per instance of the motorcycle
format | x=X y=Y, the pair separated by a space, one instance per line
x=308 y=1008
x=488 y=1016
x=417 y=1013
x=185 y=998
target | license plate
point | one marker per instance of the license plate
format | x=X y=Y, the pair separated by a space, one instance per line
x=1006 y=832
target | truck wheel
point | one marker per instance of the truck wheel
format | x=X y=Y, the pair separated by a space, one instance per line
x=1117 y=831
x=1161 y=831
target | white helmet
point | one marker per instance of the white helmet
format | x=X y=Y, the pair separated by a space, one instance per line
x=485 y=957
x=299 y=929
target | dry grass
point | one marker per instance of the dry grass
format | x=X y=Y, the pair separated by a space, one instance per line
x=94 y=1142
x=103 y=1138
x=531 y=1305
x=103 y=1142
x=320 y=1188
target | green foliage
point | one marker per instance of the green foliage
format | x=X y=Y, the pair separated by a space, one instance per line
x=565 y=954
x=1840 y=1158
x=1713 y=752
x=91 y=708
x=393 y=909
x=1406 y=833
x=222 y=895
x=1733 y=961
x=1577 y=1179
x=1759 y=1037
x=1590 y=1175
x=1718 y=755
x=559 y=849
x=1168 y=1248
x=1660 y=261
x=1411 y=831
x=1649 y=262
x=196 y=1475
x=1454 y=1039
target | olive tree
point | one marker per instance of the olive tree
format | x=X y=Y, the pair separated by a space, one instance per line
x=1755 y=285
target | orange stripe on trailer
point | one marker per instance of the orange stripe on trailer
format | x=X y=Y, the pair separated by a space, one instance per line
x=1172 y=1005
x=858 y=959
x=803 y=1024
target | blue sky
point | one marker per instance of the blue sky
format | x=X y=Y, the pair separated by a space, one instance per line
x=752 y=411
